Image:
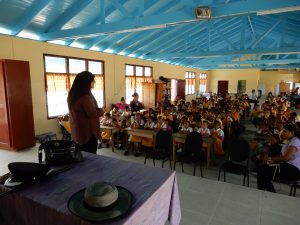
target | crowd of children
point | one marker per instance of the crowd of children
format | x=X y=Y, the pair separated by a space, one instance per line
x=215 y=117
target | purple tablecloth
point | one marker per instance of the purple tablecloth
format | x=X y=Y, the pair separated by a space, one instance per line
x=155 y=192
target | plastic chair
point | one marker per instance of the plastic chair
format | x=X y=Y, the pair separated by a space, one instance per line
x=161 y=150
x=294 y=187
x=238 y=160
x=191 y=152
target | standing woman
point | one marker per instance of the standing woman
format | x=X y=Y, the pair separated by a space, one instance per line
x=289 y=161
x=135 y=106
x=84 y=113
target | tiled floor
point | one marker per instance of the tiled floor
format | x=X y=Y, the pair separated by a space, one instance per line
x=206 y=200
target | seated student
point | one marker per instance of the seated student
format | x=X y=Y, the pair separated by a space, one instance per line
x=186 y=128
x=218 y=136
x=159 y=122
x=181 y=122
x=115 y=112
x=106 y=121
x=121 y=105
x=191 y=120
x=180 y=114
x=167 y=125
x=167 y=114
x=204 y=130
x=149 y=125
x=254 y=115
x=149 y=112
x=289 y=162
x=138 y=123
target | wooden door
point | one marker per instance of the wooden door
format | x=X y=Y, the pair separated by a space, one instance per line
x=148 y=98
x=181 y=89
x=4 y=126
x=223 y=87
x=19 y=102
x=160 y=90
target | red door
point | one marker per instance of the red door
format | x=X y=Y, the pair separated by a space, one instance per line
x=4 y=127
x=223 y=87
x=181 y=89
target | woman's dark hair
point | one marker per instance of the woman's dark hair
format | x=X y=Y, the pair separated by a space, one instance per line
x=81 y=86
x=290 y=127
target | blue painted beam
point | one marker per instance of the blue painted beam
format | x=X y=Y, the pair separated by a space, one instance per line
x=108 y=12
x=251 y=27
x=243 y=31
x=141 y=8
x=65 y=17
x=102 y=11
x=258 y=62
x=293 y=66
x=224 y=37
x=136 y=39
x=29 y=14
x=175 y=45
x=265 y=34
x=246 y=7
x=121 y=8
x=201 y=54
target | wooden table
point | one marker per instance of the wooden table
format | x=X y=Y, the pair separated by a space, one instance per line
x=180 y=138
x=155 y=194
x=111 y=131
x=140 y=133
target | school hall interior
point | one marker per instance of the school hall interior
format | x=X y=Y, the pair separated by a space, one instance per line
x=186 y=53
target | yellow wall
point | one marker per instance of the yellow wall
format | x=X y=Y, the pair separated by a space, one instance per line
x=251 y=77
x=272 y=78
x=32 y=51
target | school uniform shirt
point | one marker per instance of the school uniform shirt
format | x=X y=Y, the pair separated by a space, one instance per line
x=150 y=125
x=164 y=126
x=186 y=129
x=219 y=131
x=204 y=130
x=105 y=122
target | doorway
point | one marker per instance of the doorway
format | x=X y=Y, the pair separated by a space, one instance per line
x=222 y=87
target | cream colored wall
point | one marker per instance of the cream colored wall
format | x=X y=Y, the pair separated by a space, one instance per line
x=251 y=77
x=272 y=78
x=32 y=51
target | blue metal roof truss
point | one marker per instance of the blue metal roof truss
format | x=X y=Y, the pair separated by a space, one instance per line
x=240 y=34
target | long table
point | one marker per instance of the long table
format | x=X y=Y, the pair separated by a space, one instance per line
x=111 y=131
x=155 y=192
x=180 y=138
x=140 y=133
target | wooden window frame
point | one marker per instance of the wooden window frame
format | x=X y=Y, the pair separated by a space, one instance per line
x=202 y=81
x=69 y=74
x=135 y=76
x=190 y=82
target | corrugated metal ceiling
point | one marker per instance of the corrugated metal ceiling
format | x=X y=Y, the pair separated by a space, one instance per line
x=240 y=34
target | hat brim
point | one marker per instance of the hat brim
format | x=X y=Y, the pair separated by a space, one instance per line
x=11 y=183
x=77 y=206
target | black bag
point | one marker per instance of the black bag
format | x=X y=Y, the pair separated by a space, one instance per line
x=59 y=152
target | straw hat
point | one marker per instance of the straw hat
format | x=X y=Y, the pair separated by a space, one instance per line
x=101 y=201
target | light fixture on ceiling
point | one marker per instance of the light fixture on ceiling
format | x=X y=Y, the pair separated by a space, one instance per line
x=278 y=10
x=203 y=13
